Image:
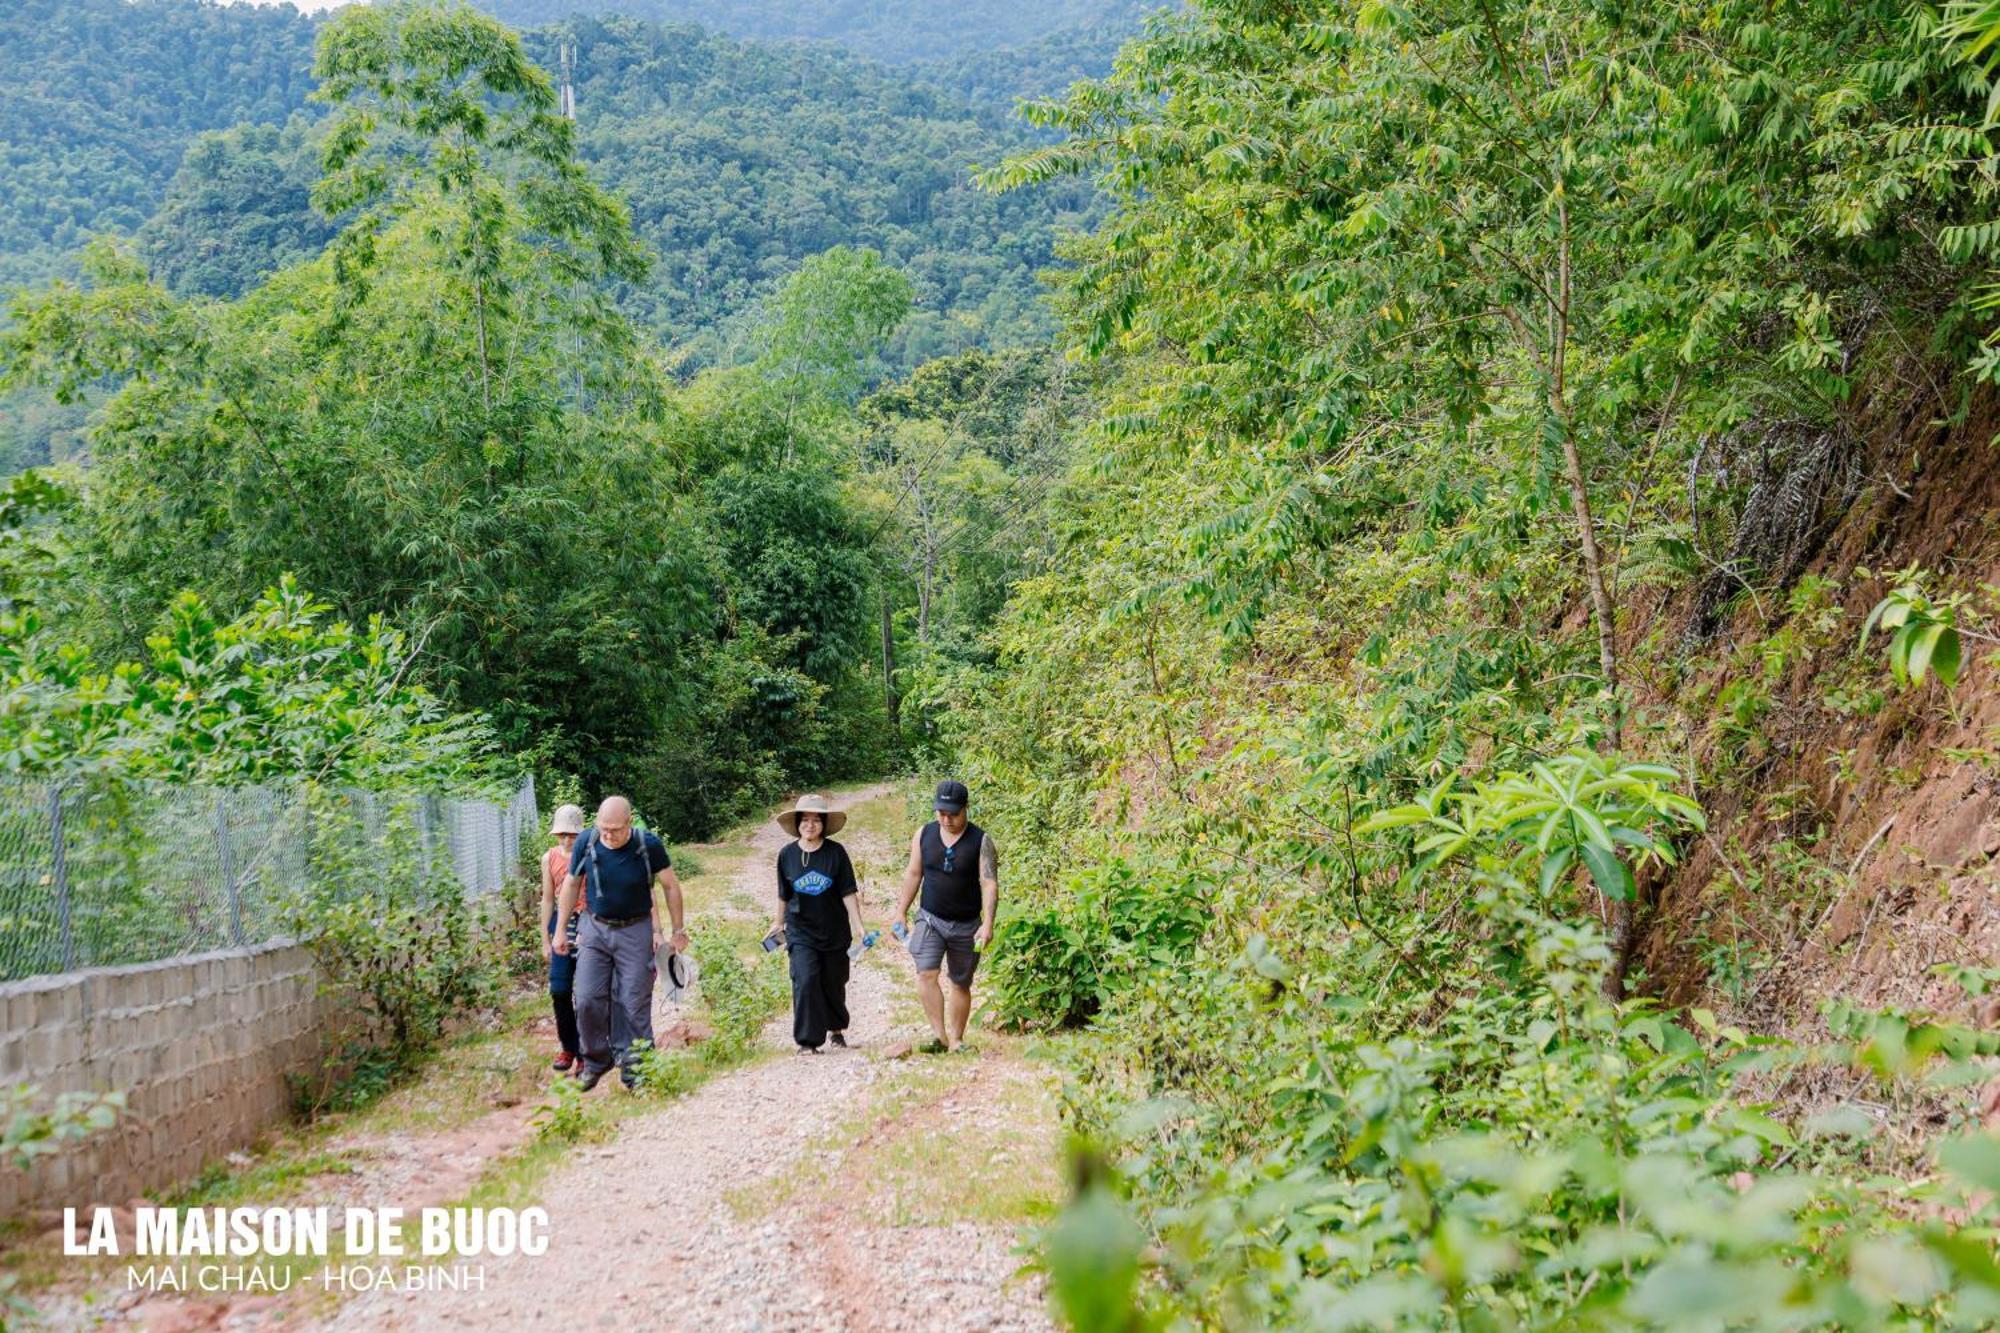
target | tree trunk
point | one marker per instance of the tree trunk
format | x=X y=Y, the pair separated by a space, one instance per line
x=889 y=663
x=485 y=370
x=927 y=554
x=1603 y=612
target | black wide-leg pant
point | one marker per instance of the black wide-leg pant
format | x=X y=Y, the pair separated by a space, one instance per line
x=819 y=993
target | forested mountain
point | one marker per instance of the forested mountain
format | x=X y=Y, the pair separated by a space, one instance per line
x=239 y=208
x=1045 y=67
x=739 y=160
x=103 y=97
x=442 y=408
x=891 y=30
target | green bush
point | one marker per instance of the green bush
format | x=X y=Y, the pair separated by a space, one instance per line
x=736 y=997
x=361 y=1074
x=414 y=952
x=1335 y=1122
x=564 y=1117
x=28 y=1131
x=1110 y=924
x=663 y=1073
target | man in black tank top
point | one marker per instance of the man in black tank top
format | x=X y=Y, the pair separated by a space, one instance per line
x=956 y=867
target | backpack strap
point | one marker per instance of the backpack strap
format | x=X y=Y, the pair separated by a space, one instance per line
x=590 y=865
x=645 y=854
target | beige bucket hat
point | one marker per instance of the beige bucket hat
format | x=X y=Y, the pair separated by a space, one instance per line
x=811 y=805
x=568 y=819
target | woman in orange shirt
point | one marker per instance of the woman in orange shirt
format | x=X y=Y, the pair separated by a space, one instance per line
x=567 y=824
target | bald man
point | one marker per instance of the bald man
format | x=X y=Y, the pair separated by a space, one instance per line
x=631 y=885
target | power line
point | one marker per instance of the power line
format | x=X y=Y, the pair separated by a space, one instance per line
x=910 y=486
x=909 y=489
x=1026 y=510
x=1040 y=482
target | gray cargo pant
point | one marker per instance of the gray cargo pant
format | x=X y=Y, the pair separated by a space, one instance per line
x=614 y=972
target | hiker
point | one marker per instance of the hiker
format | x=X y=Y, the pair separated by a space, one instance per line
x=819 y=915
x=954 y=862
x=631 y=883
x=564 y=828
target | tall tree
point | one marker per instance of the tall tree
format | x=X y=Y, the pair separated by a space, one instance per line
x=389 y=422
x=824 y=328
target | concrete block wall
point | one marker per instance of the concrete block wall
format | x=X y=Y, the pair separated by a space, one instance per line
x=200 y=1046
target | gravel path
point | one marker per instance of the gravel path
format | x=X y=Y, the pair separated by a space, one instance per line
x=663 y=1227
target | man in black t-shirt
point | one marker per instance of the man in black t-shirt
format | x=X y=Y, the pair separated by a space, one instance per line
x=957 y=867
x=819 y=915
x=625 y=872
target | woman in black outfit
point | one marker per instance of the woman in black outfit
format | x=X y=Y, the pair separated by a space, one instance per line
x=819 y=915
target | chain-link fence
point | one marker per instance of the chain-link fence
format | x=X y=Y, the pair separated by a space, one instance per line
x=95 y=875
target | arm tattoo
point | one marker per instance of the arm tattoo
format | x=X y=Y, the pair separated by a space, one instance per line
x=989 y=860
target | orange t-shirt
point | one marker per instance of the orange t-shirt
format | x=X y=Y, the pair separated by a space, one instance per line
x=555 y=869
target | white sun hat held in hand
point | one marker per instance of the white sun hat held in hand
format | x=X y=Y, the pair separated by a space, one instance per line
x=676 y=974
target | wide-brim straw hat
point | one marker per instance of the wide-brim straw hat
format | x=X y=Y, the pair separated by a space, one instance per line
x=812 y=805
x=568 y=819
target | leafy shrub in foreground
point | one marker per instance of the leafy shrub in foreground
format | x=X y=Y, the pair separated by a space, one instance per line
x=1334 y=1127
x=563 y=1118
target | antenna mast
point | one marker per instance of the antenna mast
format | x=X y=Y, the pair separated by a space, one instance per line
x=566 y=65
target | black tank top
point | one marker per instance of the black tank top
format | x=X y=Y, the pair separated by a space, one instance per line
x=952 y=894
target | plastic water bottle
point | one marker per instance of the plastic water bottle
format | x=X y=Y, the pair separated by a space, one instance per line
x=900 y=931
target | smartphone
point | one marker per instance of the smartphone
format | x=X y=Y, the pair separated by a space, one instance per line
x=774 y=941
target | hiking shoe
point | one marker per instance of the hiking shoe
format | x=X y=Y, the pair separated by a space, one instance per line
x=838 y=1038
x=588 y=1079
x=808 y=1050
x=564 y=1062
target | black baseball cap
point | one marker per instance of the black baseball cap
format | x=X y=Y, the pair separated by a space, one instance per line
x=952 y=796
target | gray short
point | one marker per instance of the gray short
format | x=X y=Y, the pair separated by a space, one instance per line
x=934 y=940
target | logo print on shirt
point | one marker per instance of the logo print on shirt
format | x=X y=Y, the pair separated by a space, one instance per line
x=812 y=883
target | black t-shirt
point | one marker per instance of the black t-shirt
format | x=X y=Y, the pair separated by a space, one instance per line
x=622 y=884
x=952 y=895
x=815 y=887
